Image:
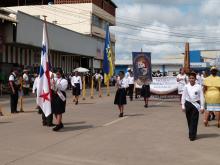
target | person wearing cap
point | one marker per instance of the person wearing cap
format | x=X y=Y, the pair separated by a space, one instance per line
x=26 y=82
x=212 y=95
x=14 y=88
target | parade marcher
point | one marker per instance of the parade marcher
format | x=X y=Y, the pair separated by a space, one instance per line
x=131 y=85
x=192 y=102
x=199 y=79
x=76 y=86
x=182 y=81
x=58 y=104
x=14 y=88
x=46 y=121
x=127 y=75
x=212 y=95
x=120 y=96
x=98 y=77
x=26 y=82
x=145 y=93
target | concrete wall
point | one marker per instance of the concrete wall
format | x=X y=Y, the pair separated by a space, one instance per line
x=29 y=31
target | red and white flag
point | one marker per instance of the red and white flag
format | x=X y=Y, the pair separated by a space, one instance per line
x=43 y=89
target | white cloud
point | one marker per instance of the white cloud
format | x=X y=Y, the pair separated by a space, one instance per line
x=156 y=21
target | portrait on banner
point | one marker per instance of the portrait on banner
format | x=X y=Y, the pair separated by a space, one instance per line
x=142 y=67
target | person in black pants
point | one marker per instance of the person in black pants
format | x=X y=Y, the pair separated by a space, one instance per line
x=192 y=102
x=14 y=87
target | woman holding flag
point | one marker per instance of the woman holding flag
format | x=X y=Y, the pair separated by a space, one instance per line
x=58 y=104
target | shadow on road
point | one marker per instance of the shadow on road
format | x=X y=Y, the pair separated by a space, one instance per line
x=74 y=123
x=5 y=122
x=212 y=135
x=75 y=128
x=134 y=115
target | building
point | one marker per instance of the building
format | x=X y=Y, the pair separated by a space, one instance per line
x=81 y=25
x=169 y=66
x=200 y=60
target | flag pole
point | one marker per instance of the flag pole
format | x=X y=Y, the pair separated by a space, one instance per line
x=187 y=58
x=92 y=88
x=108 y=89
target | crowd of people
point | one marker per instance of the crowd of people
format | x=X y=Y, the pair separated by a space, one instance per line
x=20 y=84
x=198 y=92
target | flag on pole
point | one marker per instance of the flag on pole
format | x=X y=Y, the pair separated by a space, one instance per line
x=43 y=89
x=107 y=63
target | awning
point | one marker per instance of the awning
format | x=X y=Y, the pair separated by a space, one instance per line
x=7 y=18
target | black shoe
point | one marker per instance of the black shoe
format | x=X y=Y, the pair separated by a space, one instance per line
x=192 y=138
x=16 y=112
x=76 y=102
x=44 y=124
x=58 y=127
x=51 y=125
x=121 y=115
x=145 y=105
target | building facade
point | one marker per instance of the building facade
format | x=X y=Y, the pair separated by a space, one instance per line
x=83 y=19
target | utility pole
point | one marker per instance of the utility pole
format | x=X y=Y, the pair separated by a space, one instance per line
x=187 y=58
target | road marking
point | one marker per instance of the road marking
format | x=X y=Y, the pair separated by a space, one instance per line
x=115 y=121
x=159 y=103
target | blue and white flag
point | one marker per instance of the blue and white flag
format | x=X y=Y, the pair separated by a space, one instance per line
x=43 y=89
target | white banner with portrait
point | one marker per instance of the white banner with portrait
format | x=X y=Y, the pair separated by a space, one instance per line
x=163 y=85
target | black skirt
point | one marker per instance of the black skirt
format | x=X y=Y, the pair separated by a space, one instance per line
x=145 y=91
x=120 y=97
x=76 y=89
x=57 y=104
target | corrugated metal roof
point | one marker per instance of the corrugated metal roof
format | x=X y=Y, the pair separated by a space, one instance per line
x=7 y=18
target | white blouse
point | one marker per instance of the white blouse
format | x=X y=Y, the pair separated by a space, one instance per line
x=193 y=94
x=76 y=80
x=61 y=84
x=130 y=80
x=123 y=83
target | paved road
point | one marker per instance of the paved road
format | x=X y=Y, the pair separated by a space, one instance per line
x=94 y=135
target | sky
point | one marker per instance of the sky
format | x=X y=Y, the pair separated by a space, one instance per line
x=163 y=26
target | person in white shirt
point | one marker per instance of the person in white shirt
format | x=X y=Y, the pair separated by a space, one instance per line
x=182 y=81
x=14 y=88
x=98 y=77
x=36 y=81
x=192 y=102
x=76 y=87
x=120 y=96
x=131 y=85
x=199 y=79
x=58 y=103
x=26 y=82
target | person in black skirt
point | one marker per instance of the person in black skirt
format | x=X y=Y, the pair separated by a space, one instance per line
x=58 y=103
x=145 y=93
x=120 y=96
x=76 y=86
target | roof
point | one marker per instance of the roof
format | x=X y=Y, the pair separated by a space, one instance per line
x=154 y=62
x=112 y=3
x=7 y=18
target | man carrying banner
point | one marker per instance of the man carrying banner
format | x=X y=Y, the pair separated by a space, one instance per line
x=143 y=73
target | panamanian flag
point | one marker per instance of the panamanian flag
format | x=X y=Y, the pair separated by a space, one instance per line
x=43 y=89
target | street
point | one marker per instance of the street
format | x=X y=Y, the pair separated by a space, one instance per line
x=94 y=135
